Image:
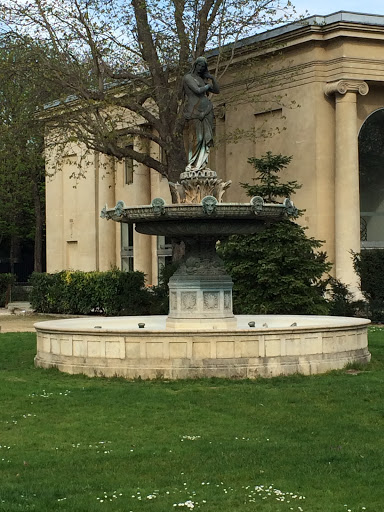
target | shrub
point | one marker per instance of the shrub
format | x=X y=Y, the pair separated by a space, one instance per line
x=81 y=293
x=6 y=280
x=369 y=265
x=160 y=293
x=341 y=301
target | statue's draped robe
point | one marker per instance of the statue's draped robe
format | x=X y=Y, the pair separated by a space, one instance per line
x=199 y=127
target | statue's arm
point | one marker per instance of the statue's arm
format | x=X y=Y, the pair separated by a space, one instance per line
x=191 y=83
x=215 y=86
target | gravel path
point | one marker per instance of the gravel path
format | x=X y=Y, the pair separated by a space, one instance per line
x=22 y=322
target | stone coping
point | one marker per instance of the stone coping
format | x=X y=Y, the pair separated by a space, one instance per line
x=157 y=324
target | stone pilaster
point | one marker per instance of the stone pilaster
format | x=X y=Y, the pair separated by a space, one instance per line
x=142 y=244
x=105 y=232
x=347 y=197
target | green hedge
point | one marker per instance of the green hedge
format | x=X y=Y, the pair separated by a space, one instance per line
x=6 y=280
x=369 y=265
x=81 y=293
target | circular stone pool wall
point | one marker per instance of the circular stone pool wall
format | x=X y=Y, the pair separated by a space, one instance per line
x=277 y=345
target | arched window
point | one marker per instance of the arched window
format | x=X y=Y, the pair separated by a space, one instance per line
x=371 y=171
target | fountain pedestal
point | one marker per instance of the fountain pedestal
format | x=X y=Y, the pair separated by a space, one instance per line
x=200 y=291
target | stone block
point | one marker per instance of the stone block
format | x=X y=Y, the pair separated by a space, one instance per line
x=94 y=349
x=249 y=348
x=328 y=342
x=338 y=343
x=46 y=343
x=362 y=340
x=79 y=347
x=294 y=346
x=225 y=349
x=132 y=350
x=154 y=350
x=272 y=347
x=313 y=345
x=112 y=349
x=352 y=341
x=177 y=350
x=55 y=345
x=66 y=346
x=201 y=350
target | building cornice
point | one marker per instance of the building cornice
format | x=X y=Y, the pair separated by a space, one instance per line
x=316 y=24
x=315 y=28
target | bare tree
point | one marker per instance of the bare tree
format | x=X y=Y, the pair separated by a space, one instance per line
x=123 y=63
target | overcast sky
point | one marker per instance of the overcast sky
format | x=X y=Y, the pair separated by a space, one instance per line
x=330 y=6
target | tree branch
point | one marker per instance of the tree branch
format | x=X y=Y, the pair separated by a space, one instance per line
x=205 y=21
x=146 y=42
x=181 y=31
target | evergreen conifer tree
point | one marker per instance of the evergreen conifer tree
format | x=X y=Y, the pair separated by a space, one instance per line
x=279 y=270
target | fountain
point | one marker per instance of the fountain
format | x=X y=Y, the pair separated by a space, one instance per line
x=200 y=337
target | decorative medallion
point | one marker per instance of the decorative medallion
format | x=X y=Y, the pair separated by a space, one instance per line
x=211 y=300
x=188 y=300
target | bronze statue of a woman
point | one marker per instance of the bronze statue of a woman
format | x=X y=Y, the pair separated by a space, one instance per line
x=198 y=111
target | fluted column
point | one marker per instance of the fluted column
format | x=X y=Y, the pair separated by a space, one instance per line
x=347 y=197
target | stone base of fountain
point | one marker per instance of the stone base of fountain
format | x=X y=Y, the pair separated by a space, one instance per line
x=277 y=345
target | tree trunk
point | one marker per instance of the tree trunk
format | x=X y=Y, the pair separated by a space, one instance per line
x=176 y=159
x=14 y=252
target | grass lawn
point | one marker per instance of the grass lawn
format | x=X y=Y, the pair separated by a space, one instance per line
x=76 y=444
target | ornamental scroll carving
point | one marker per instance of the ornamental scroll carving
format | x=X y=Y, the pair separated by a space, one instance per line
x=344 y=86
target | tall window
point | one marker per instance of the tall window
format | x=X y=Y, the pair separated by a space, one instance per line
x=164 y=252
x=371 y=172
x=126 y=247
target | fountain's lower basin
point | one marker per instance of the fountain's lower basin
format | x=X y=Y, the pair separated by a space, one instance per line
x=116 y=346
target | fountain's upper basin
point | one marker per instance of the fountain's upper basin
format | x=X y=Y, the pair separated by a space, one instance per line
x=193 y=220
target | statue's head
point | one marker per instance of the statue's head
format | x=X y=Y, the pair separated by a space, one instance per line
x=200 y=66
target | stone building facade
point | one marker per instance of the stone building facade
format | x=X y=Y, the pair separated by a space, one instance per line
x=313 y=90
